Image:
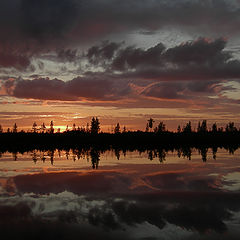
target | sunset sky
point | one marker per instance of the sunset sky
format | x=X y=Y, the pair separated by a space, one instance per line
x=120 y=60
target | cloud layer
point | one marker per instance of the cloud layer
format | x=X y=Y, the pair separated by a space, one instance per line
x=39 y=26
x=194 y=70
x=52 y=18
x=116 y=53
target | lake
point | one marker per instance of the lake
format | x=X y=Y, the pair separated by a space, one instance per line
x=185 y=193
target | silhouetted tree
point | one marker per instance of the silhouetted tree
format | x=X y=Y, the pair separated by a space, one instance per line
x=117 y=129
x=15 y=128
x=95 y=126
x=199 y=127
x=150 y=123
x=43 y=127
x=51 y=130
x=87 y=128
x=67 y=128
x=220 y=129
x=214 y=128
x=160 y=128
x=1 y=129
x=202 y=127
x=124 y=129
x=179 y=129
x=74 y=127
x=8 y=130
x=188 y=128
x=230 y=127
x=34 y=127
x=147 y=128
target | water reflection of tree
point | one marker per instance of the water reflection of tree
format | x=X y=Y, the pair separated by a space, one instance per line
x=59 y=153
x=150 y=155
x=15 y=157
x=34 y=156
x=67 y=154
x=124 y=152
x=74 y=155
x=93 y=153
x=51 y=155
x=161 y=155
x=231 y=149
x=43 y=158
x=187 y=152
x=78 y=154
x=214 y=152
x=117 y=153
x=203 y=152
x=95 y=158
x=157 y=153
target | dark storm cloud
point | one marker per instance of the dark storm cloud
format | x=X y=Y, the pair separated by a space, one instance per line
x=35 y=27
x=26 y=19
x=201 y=51
x=47 y=18
x=184 y=90
x=101 y=53
x=199 y=66
x=126 y=15
x=76 y=89
x=202 y=59
x=66 y=22
x=132 y=57
x=67 y=55
x=18 y=61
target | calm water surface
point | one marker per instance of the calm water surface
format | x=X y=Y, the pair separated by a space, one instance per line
x=158 y=194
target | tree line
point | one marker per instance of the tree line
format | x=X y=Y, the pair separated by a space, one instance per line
x=94 y=128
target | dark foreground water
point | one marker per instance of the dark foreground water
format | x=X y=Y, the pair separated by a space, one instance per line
x=187 y=194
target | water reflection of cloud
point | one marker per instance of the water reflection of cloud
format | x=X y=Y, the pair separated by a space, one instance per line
x=127 y=178
x=125 y=201
x=231 y=181
x=155 y=216
x=76 y=182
